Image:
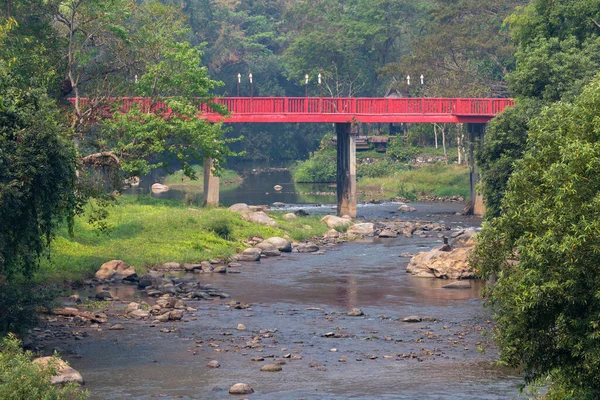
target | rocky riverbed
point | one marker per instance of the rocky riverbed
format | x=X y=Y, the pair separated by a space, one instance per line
x=343 y=321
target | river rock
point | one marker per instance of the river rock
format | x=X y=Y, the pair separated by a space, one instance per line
x=409 y=229
x=240 y=208
x=252 y=254
x=260 y=217
x=116 y=327
x=114 y=269
x=280 y=243
x=308 y=247
x=366 y=228
x=467 y=239
x=241 y=388
x=412 y=319
x=289 y=216
x=163 y=317
x=262 y=208
x=175 y=315
x=355 y=312
x=103 y=295
x=331 y=234
x=133 y=306
x=139 y=314
x=64 y=373
x=159 y=188
x=268 y=249
x=153 y=278
x=277 y=187
x=406 y=208
x=458 y=285
x=271 y=368
x=213 y=364
x=171 y=266
x=336 y=222
x=278 y=204
x=387 y=233
x=442 y=264
x=241 y=327
x=192 y=267
x=220 y=269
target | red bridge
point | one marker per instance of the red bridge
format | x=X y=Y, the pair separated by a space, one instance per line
x=339 y=110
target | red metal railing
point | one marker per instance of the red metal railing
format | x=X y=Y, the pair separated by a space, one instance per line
x=321 y=109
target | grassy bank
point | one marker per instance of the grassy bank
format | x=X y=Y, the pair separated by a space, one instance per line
x=430 y=180
x=229 y=179
x=146 y=232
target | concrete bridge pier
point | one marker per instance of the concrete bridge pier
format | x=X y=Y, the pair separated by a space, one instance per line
x=346 y=169
x=476 y=133
x=211 y=184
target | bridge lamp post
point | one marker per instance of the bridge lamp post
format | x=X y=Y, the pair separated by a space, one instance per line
x=422 y=79
x=306 y=85
x=238 y=85
x=251 y=85
x=320 y=85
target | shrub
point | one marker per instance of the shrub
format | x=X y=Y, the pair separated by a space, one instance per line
x=20 y=379
x=220 y=227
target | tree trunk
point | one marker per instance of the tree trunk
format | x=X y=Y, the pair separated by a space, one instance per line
x=444 y=142
x=435 y=134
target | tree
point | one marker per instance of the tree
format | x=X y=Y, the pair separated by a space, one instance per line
x=543 y=251
x=176 y=87
x=37 y=168
x=557 y=53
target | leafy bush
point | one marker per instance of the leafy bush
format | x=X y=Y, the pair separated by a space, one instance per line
x=320 y=167
x=377 y=169
x=19 y=303
x=399 y=150
x=220 y=227
x=21 y=379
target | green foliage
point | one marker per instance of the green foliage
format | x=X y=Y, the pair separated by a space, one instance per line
x=320 y=167
x=505 y=141
x=228 y=179
x=19 y=302
x=221 y=227
x=546 y=301
x=376 y=169
x=147 y=232
x=37 y=175
x=21 y=379
x=400 y=150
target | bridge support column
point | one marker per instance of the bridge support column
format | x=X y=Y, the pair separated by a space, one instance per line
x=346 y=169
x=211 y=184
x=476 y=132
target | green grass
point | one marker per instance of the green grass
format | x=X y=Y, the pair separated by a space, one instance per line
x=430 y=180
x=229 y=179
x=146 y=232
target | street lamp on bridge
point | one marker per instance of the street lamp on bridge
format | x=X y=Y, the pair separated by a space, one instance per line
x=238 y=83
x=320 y=85
x=251 y=85
x=306 y=85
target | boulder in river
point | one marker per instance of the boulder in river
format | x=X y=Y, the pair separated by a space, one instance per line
x=336 y=222
x=280 y=243
x=271 y=368
x=331 y=234
x=308 y=247
x=241 y=388
x=268 y=249
x=406 y=208
x=458 y=285
x=366 y=228
x=289 y=216
x=252 y=254
x=355 y=312
x=64 y=372
x=114 y=269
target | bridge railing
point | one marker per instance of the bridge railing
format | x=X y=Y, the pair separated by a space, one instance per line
x=376 y=106
x=321 y=105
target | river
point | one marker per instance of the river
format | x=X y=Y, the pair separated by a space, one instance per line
x=298 y=305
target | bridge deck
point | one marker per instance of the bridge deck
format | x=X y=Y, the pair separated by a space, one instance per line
x=331 y=110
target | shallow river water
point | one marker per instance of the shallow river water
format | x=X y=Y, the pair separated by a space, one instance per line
x=297 y=299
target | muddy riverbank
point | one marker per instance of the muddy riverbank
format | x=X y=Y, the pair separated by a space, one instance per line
x=297 y=318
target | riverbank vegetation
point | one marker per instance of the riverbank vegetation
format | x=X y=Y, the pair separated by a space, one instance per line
x=147 y=232
x=406 y=170
x=228 y=179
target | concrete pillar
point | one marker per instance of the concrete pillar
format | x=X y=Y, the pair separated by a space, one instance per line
x=346 y=169
x=476 y=132
x=211 y=184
